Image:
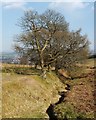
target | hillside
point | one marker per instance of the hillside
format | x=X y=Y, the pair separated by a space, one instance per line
x=28 y=96
x=79 y=102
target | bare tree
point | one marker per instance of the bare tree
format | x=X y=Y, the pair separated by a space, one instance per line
x=38 y=35
x=46 y=40
x=74 y=50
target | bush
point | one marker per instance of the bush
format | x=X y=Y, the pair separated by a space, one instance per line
x=18 y=70
x=7 y=69
x=66 y=111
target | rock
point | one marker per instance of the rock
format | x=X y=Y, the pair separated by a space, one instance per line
x=64 y=73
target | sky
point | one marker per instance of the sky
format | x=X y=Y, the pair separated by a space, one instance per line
x=79 y=14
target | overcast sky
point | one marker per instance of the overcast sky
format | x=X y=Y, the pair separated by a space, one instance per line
x=79 y=14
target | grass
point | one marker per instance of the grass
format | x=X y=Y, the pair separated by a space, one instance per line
x=28 y=96
x=80 y=99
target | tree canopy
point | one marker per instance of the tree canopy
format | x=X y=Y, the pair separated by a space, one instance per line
x=47 y=41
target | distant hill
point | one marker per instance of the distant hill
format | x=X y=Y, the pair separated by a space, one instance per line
x=7 y=57
x=10 y=54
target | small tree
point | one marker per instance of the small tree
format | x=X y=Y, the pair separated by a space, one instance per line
x=23 y=60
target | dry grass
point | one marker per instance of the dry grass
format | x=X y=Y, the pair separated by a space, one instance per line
x=28 y=96
x=81 y=97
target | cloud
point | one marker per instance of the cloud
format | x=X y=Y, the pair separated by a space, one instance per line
x=69 y=5
x=47 y=0
x=8 y=1
x=14 y=5
x=26 y=0
x=17 y=5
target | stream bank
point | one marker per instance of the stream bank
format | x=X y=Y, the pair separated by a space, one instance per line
x=50 y=111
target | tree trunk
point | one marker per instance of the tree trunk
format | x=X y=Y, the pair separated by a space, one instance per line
x=42 y=66
x=36 y=65
x=49 y=68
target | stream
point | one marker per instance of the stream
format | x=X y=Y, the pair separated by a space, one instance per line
x=50 y=109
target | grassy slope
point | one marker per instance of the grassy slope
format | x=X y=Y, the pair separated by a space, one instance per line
x=28 y=96
x=80 y=99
